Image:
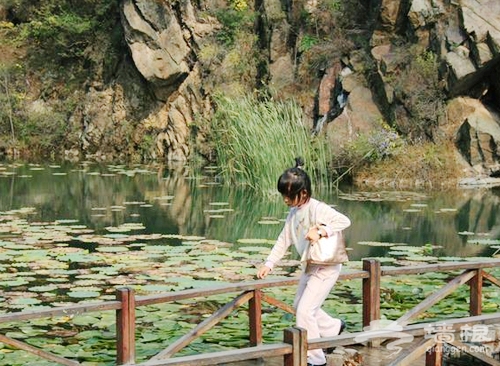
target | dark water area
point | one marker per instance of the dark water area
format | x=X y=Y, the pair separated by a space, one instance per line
x=185 y=201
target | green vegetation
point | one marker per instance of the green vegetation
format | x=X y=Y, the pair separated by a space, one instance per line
x=52 y=48
x=418 y=89
x=233 y=20
x=425 y=164
x=257 y=140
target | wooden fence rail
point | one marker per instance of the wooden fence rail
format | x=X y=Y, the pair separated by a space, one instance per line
x=294 y=346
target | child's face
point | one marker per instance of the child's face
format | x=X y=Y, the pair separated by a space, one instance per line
x=299 y=200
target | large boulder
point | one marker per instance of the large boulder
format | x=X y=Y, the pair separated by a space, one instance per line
x=478 y=135
x=157 y=44
x=147 y=112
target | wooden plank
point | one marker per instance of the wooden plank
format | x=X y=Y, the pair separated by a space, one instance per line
x=490 y=278
x=255 y=318
x=434 y=355
x=418 y=329
x=204 y=326
x=476 y=293
x=408 y=356
x=125 y=327
x=278 y=303
x=303 y=347
x=371 y=292
x=60 y=311
x=232 y=287
x=250 y=353
x=478 y=355
x=36 y=351
x=436 y=296
x=441 y=267
x=214 y=290
x=297 y=338
x=291 y=336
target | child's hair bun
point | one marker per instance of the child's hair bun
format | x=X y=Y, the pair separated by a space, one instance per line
x=299 y=163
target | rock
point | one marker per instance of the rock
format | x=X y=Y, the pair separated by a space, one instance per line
x=344 y=357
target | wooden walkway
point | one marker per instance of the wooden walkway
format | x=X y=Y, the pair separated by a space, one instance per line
x=425 y=344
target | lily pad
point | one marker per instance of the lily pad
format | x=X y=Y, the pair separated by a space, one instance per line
x=83 y=294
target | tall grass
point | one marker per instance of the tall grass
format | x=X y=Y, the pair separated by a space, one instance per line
x=255 y=141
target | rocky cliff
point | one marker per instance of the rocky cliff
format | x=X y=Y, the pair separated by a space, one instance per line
x=426 y=68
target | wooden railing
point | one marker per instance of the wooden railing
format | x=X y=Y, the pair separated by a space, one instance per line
x=295 y=345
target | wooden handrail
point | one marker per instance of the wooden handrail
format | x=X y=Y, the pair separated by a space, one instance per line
x=62 y=311
x=438 y=267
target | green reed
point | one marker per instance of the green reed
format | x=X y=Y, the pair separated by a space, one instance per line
x=256 y=140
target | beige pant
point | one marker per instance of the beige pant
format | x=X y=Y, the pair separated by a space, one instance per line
x=315 y=284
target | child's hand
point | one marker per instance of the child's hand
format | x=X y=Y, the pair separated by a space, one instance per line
x=263 y=272
x=313 y=234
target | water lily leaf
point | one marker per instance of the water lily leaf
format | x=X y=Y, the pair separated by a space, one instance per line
x=89 y=334
x=46 y=288
x=79 y=258
x=253 y=241
x=422 y=258
x=157 y=288
x=158 y=248
x=17 y=246
x=126 y=227
x=115 y=249
x=398 y=254
x=149 y=337
x=254 y=249
x=16 y=335
x=85 y=320
x=86 y=288
x=66 y=221
x=25 y=301
x=14 y=283
x=269 y=222
x=83 y=294
x=407 y=248
x=379 y=244
x=484 y=241
x=448 y=210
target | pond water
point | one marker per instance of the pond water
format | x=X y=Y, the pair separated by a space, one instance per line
x=461 y=223
x=75 y=232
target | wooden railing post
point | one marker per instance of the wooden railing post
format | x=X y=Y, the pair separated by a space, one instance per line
x=476 y=293
x=297 y=337
x=371 y=291
x=125 y=327
x=434 y=355
x=255 y=318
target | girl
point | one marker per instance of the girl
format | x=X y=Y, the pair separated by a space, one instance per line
x=316 y=280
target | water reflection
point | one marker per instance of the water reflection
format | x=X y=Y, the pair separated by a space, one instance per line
x=191 y=202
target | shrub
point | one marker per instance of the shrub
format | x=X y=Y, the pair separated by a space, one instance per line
x=233 y=21
x=418 y=89
x=379 y=145
x=428 y=164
